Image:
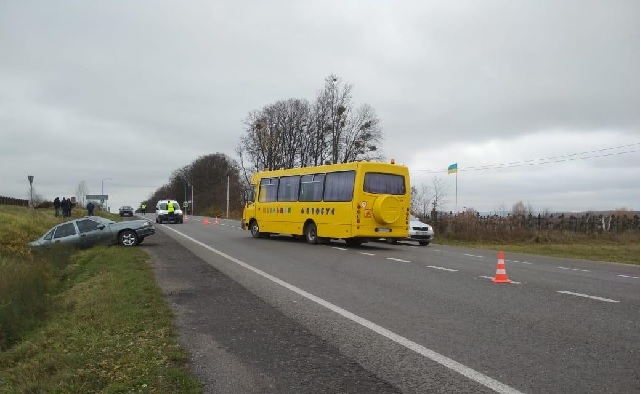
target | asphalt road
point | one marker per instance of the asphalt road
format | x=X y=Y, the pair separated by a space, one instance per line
x=279 y=315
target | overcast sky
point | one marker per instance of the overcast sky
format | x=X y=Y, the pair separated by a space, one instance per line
x=537 y=101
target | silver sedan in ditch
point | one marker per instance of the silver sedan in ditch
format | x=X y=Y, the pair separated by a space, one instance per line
x=95 y=230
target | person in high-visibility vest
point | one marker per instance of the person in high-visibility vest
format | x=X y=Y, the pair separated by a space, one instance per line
x=170 y=209
x=143 y=208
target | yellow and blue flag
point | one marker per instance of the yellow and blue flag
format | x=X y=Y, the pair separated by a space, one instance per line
x=452 y=169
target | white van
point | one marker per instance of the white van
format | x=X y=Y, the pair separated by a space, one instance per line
x=162 y=215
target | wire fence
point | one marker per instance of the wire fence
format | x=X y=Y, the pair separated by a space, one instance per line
x=468 y=225
x=13 y=201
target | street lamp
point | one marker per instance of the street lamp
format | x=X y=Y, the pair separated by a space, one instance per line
x=102 y=191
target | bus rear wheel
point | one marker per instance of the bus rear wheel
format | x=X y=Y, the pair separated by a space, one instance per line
x=311 y=234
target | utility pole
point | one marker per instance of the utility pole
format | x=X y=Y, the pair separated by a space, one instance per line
x=227 y=196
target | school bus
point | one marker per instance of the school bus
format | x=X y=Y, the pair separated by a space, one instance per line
x=354 y=202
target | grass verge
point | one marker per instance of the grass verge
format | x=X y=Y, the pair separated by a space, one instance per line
x=619 y=252
x=85 y=321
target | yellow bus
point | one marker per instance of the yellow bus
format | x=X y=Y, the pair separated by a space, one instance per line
x=355 y=202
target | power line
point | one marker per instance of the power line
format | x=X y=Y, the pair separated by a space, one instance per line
x=542 y=161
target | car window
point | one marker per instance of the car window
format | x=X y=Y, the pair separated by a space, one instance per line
x=86 y=225
x=65 y=230
x=163 y=206
x=49 y=235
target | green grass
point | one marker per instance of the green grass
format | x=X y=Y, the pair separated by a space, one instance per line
x=84 y=321
x=624 y=251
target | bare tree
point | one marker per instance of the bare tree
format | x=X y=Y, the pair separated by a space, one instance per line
x=420 y=200
x=292 y=132
x=361 y=136
x=81 y=193
x=334 y=104
x=439 y=193
x=519 y=209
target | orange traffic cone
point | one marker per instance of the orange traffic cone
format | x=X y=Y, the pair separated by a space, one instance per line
x=205 y=222
x=216 y=222
x=501 y=275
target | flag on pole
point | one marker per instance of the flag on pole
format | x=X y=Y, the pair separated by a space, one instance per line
x=452 y=169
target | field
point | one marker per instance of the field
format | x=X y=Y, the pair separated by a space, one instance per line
x=95 y=320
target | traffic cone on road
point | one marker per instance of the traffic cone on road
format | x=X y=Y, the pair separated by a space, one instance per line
x=501 y=275
x=216 y=222
x=205 y=221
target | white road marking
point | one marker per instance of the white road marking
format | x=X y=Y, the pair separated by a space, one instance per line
x=627 y=276
x=438 y=250
x=586 y=296
x=401 y=260
x=516 y=261
x=472 y=255
x=573 y=269
x=336 y=247
x=491 y=277
x=441 y=268
x=415 y=347
x=367 y=254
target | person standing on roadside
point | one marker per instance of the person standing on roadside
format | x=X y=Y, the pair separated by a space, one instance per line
x=143 y=208
x=63 y=205
x=90 y=208
x=56 y=206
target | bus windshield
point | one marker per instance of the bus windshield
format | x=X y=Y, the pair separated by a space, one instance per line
x=378 y=183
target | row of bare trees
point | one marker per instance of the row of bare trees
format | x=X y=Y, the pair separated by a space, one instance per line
x=295 y=133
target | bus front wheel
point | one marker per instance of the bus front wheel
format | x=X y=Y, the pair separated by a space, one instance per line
x=310 y=233
x=255 y=230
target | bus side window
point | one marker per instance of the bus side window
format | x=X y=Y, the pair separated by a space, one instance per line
x=339 y=186
x=288 y=188
x=311 y=187
x=268 y=190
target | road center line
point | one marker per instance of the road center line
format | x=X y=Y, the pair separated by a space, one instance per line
x=400 y=260
x=336 y=247
x=430 y=354
x=367 y=254
x=441 y=268
x=586 y=296
x=573 y=269
x=628 y=276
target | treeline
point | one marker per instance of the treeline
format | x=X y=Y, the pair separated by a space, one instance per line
x=296 y=133
x=207 y=176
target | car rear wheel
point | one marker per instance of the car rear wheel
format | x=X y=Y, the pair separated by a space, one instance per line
x=128 y=238
x=392 y=241
x=423 y=243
